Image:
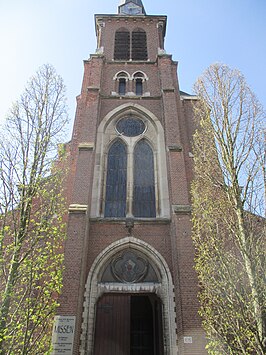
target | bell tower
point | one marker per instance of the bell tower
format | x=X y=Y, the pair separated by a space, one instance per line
x=129 y=283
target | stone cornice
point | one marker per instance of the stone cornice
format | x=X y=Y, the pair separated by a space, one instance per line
x=136 y=220
x=135 y=98
x=76 y=208
x=181 y=209
x=86 y=146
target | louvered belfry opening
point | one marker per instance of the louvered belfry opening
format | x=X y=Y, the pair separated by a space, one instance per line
x=139 y=45
x=137 y=42
x=122 y=45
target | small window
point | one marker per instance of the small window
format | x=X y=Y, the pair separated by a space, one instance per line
x=122 y=45
x=121 y=80
x=139 y=87
x=139 y=45
x=139 y=79
x=122 y=86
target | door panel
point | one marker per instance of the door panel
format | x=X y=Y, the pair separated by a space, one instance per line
x=113 y=325
x=128 y=325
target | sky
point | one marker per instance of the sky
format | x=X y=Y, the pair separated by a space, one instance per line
x=62 y=33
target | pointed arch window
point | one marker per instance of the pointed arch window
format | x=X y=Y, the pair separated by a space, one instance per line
x=130 y=177
x=130 y=168
x=116 y=180
x=144 y=204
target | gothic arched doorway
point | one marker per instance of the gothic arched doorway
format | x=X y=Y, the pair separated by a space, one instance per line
x=134 y=274
x=128 y=324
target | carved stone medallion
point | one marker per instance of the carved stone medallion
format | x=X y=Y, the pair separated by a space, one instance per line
x=129 y=268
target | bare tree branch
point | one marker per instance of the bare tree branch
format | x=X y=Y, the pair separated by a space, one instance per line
x=229 y=230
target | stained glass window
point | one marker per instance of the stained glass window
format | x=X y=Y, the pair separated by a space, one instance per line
x=144 y=185
x=130 y=126
x=116 y=181
x=130 y=267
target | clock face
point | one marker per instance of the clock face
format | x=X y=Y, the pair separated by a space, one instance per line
x=131 y=9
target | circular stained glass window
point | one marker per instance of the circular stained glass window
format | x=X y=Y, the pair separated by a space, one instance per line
x=130 y=126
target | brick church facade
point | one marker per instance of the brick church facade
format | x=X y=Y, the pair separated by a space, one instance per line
x=129 y=276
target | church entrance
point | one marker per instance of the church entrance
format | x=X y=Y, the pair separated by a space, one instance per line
x=128 y=324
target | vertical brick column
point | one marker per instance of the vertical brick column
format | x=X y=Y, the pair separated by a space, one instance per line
x=79 y=194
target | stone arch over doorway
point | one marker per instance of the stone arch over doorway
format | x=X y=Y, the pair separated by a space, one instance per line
x=163 y=289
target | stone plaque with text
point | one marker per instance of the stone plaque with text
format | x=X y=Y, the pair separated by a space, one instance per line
x=63 y=335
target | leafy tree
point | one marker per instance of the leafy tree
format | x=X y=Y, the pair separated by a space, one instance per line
x=31 y=210
x=228 y=203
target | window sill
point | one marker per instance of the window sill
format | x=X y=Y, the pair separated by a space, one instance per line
x=127 y=97
x=123 y=61
x=138 y=220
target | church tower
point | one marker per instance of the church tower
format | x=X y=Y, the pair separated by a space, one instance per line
x=129 y=285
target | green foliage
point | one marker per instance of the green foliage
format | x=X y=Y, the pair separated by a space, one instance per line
x=38 y=282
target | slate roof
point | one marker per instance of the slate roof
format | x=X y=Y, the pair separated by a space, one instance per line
x=137 y=2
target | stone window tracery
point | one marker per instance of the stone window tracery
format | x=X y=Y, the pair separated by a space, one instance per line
x=130 y=266
x=130 y=126
x=133 y=135
x=141 y=200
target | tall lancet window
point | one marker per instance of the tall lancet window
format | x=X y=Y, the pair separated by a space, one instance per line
x=144 y=204
x=116 y=181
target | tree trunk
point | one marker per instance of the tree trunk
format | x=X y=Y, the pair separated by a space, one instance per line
x=4 y=310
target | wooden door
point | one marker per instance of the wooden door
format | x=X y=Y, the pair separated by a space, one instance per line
x=128 y=325
x=112 y=333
